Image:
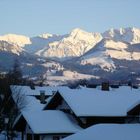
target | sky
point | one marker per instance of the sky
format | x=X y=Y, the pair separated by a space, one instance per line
x=34 y=17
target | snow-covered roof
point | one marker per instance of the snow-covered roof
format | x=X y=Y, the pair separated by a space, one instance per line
x=86 y=101
x=28 y=91
x=95 y=102
x=27 y=102
x=32 y=104
x=50 y=121
x=27 y=96
x=108 y=132
x=42 y=121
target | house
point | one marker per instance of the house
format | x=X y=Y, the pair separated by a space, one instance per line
x=33 y=122
x=108 y=132
x=57 y=112
x=93 y=106
x=43 y=125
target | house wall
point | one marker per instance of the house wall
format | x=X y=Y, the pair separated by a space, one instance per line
x=89 y=121
x=43 y=137
x=133 y=115
x=46 y=137
x=28 y=133
x=133 y=119
x=63 y=106
x=51 y=137
x=134 y=111
x=28 y=129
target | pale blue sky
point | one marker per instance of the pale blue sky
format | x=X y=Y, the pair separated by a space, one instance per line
x=33 y=17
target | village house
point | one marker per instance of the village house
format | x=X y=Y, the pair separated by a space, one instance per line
x=33 y=122
x=57 y=112
x=45 y=125
x=94 y=106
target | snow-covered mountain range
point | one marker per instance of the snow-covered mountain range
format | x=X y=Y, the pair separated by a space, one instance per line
x=111 y=51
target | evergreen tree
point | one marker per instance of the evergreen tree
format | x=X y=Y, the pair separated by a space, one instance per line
x=15 y=75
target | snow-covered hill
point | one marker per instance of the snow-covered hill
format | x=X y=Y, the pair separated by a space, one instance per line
x=104 y=53
x=98 y=56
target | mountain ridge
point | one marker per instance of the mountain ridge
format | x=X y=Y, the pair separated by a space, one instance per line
x=97 y=54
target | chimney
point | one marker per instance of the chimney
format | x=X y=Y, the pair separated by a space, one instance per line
x=105 y=86
x=54 y=92
x=42 y=97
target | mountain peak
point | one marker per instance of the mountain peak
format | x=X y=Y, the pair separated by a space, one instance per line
x=80 y=34
x=15 y=39
x=77 y=30
x=45 y=35
x=129 y=34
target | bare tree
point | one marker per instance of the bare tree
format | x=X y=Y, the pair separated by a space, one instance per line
x=14 y=105
x=19 y=97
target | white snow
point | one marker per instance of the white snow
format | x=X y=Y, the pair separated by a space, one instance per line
x=66 y=77
x=118 y=50
x=130 y=35
x=98 y=56
x=91 y=102
x=75 y=75
x=50 y=121
x=108 y=132
x=5 y=46
x=28 y=96
x=14 y=39
x=104 y=53
x=84 y=102
x=26 y=90
x=95 y=102
x=75 y=44
x=46 y=36
x=43 y=122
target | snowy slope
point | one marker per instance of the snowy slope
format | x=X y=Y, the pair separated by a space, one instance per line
x=90 y=52
x=40 y=44
x=130 y=35
x=75 y=44
x=7 y=47
x=98 y=56
x=14 y=39
x=46 y=36
x=107 y=50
